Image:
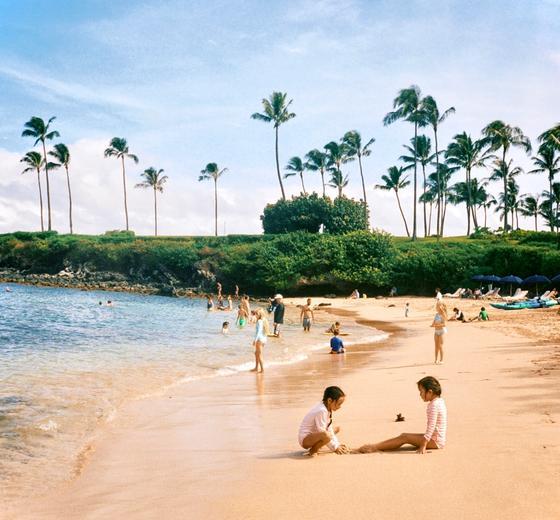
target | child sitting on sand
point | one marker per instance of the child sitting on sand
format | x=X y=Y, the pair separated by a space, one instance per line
x=436 y=429
x=333 y=327
x=482 y=315
x=316 y=429
x=337 y=346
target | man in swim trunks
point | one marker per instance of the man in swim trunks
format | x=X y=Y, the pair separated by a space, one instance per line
x=307 y=315
x=242 y=317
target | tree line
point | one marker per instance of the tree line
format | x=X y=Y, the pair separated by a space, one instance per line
x=463 y=154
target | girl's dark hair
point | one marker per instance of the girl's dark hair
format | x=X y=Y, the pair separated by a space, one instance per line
x=332 y=392
x=430 y=383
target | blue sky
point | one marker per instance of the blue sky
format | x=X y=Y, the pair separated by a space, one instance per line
x=180 y=80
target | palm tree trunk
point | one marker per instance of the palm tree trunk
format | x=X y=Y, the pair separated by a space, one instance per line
x=302 y=184
x=536 y=215
x=550 y=179
x=505 y=192
x=40 y=197
x=69 y=199
x=424 y=203
x=474 y=216
x=444 y=212
x=430 y=220
x=216 y=207
x=485 y=216
x=415 y=186
x=155 y=211
x=438 y=186
x=277 y=170
x=124 y=191
x=402 y=214
x=323 y=182
x=49 y=221
x=364 y=190
x=468 y=179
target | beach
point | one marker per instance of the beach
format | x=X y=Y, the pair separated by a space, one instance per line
x=227 y=447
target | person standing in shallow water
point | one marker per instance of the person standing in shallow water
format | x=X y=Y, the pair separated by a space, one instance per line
x=278 y=309
x=261 y=336
x=307 y=316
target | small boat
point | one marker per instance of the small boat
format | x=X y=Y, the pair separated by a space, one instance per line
x=527 y=304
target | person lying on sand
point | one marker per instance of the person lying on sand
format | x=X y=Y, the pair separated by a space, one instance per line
x=435 y=436
x=316 y=429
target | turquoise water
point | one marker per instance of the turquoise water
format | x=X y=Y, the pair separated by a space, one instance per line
x=67 y=364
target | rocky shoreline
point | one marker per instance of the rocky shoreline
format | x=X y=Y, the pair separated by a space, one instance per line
x=86 y=280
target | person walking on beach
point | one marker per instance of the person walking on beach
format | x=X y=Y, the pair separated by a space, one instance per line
x=278 y=309
x=246 y=306
x=236 y=292
x=439 y=296
x=406 y=309
x=261 y=336
x=434 y=437
x=316 y=429
x=307 y=315
x=219 y=289
x=439 y=324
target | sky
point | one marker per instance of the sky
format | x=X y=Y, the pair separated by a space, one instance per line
x=180 y=79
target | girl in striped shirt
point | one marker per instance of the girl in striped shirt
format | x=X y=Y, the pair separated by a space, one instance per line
x=436 y=429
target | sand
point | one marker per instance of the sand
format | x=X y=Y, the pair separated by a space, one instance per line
x=227 y=448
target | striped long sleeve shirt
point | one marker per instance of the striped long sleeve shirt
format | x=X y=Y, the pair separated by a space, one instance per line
x=436 y=428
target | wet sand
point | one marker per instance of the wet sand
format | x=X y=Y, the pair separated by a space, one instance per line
x=227 y=447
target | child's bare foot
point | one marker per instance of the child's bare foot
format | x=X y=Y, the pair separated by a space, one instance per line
x=311 y=453
x=253 y=370
x=367 y=448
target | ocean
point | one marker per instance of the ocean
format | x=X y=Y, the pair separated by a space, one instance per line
x=68 y=362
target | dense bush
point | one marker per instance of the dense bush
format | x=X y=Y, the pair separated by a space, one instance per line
x=346 y=215
x=309 y=212
x=296 y=263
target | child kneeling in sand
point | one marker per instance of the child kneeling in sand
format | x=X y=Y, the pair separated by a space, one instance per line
x=436 y=429
x=316 y=429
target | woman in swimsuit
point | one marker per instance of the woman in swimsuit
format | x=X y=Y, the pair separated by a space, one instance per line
x=439 y=324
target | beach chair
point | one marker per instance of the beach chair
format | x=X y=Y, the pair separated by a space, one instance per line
x=514 y=295
x=521 y=295
x=490 y=295
x=545 y=295
x=456 y=294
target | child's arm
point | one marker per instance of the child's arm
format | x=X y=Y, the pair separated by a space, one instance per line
x=322 y=424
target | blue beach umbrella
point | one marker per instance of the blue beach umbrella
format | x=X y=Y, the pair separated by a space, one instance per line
x=536 y=279
x=491 y=278
x=511 y=279
x=479 y=277
x=556 y=279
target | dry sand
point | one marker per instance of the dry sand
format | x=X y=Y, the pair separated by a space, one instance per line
x=227 y=448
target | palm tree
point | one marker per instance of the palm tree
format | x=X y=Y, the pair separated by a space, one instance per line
x=547 y=162
x=429 y=197
x=487 y=204
x=118 y=147
x=37 y=128
x=295 y=166
x=420 y=151
x=336 y=155
x=153 y=179
x=34 y=162
x=438 y=182
x=551 y=204
x=434 y=118
x=62 y=155
x=354 y=148
x=338 y=180
x=213 y=172
x=479 y=196
x=530 y=207
x=551 y=136
x=317 y=161
x=465 y=153
x=395 y=180
x=503 y=171
x=503 y=136
x=276 y=111
x=460 y=193
x=409 y=107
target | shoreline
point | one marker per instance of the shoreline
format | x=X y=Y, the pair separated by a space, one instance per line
x=85 y=453
x=236 y=436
